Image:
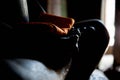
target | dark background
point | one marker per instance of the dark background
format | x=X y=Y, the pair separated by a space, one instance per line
x=84 y=9
x=80 y=9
